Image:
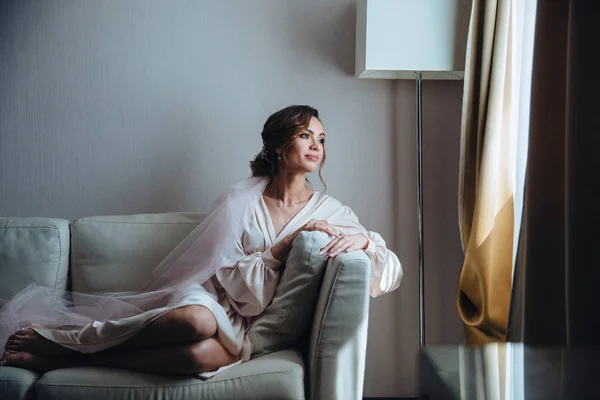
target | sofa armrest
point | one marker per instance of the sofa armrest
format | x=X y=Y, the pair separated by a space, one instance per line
x=338 y=340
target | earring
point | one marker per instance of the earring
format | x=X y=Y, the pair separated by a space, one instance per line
x=279 y=157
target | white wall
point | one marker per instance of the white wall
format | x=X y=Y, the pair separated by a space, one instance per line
x=119 y=107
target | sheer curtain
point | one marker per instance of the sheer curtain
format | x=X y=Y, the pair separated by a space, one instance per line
x=555 y=301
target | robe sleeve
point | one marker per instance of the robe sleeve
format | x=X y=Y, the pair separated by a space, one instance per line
x=386 y=271
x=250 y=283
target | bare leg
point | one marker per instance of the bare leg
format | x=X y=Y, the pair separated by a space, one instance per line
x=186 y=359
x=182 y=325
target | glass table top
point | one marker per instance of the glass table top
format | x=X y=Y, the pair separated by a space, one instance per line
x=509 y=371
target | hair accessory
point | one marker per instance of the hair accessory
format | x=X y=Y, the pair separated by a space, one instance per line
x=263 y=155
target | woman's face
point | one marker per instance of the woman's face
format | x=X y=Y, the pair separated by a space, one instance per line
x=307 y=149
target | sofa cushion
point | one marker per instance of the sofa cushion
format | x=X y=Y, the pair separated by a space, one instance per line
x=117 y=253
x=17 y=383
x=290 y=313
x=33 y=250
x=275 y=376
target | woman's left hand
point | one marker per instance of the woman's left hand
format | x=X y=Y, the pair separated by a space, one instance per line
x=345 y=243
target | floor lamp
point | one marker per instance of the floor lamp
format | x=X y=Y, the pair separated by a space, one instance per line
x=413 y=39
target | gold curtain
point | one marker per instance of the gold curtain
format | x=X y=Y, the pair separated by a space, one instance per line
x=487 y=171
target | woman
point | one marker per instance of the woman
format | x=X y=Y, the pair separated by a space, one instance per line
x=192 y=320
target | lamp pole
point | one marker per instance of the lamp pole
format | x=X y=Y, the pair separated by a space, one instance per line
x=419 y=76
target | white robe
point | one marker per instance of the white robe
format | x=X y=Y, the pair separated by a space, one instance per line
x=237 y=293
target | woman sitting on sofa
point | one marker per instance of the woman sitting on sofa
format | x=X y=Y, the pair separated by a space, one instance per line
x=193 y=317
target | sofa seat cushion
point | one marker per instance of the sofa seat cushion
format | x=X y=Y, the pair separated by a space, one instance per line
x=33 y=250
x=279 y=375
x=17 y=383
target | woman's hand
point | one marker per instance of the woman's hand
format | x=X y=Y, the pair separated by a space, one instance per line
x=345 y=243
x=280 y=250
x=318 y=225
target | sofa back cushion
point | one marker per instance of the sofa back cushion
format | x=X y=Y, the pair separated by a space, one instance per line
x=118 y=253
x=33 y=250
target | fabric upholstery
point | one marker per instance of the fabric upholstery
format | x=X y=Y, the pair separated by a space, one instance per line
x=33 y=250
x=16 y=383
x=338 y=341
x=117 y=253
x=290 y=313
x=278 y=375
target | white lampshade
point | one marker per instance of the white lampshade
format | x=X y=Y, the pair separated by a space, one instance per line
x=395 y=38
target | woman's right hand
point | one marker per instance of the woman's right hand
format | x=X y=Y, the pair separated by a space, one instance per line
x=318 y=225
x=280 y=250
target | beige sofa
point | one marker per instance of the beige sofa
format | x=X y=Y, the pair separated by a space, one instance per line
x=111 y=253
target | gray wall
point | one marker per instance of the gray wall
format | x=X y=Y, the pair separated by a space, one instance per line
x=442 y=102
x=120 y=107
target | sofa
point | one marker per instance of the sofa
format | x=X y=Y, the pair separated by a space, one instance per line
x=310 y=344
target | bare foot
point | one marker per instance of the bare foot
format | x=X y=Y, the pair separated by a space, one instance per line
x=29 y=361
x=29 y=341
